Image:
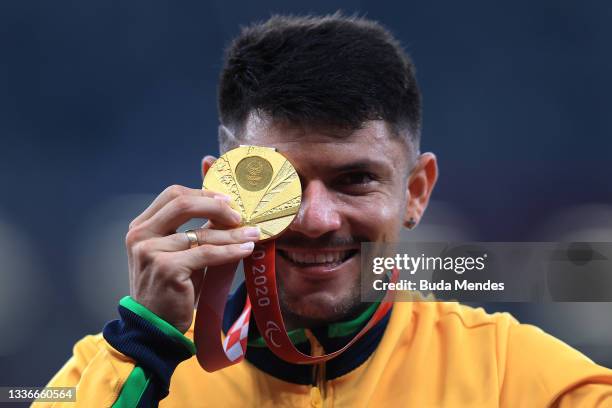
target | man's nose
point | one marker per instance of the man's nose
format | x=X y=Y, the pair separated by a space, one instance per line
x=318 y=212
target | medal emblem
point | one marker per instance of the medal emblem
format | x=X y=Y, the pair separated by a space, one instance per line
x=263 y=185
x=254 y=173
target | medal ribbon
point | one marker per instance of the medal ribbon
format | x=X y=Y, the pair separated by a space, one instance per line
x=262 y=296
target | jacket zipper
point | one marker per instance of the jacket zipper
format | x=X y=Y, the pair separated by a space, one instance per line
x=318 y=370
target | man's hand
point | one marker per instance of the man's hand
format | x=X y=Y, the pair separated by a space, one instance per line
x=164 y=273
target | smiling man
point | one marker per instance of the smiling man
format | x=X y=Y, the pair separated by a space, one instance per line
x=355 y=189
x=338 y=97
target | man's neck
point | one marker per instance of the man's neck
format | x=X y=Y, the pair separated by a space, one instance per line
x=293 y=321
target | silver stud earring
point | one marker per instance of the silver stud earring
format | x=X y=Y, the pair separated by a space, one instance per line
x=411 y=223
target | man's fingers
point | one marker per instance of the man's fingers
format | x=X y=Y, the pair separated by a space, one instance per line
x=206 y=236
x=212 y=255
x=185 y=207
x=165 y=197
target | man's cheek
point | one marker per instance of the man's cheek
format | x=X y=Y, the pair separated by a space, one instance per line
x=378 y=215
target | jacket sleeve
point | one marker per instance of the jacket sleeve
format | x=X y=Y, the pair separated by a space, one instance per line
x=587 y=395
x=541 y=370
x=129 y=365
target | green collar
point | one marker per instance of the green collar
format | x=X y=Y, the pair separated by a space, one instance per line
x=339 y=329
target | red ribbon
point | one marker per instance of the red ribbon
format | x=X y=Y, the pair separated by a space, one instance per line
x=262 y=296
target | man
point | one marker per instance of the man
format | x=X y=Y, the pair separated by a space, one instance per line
x=338 y=97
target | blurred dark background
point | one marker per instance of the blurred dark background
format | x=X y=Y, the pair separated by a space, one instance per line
x=105 y=103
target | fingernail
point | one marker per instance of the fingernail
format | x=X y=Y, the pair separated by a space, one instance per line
x=251 y=232
x=247 y=246
x=236 y=215
x=222 y=197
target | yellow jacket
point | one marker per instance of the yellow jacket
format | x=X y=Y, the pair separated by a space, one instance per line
x=429 y=354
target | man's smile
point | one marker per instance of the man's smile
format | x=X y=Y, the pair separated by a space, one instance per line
x=318 y=263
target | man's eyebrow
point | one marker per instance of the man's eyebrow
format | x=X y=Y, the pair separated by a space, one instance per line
x=362 y=164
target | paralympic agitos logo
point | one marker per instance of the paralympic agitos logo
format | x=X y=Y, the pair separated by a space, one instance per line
x=271 y=328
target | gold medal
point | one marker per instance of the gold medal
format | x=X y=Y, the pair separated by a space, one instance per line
x=264 y=187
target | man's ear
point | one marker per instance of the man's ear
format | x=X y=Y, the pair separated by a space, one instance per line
x=421 y=182
x=207 y=161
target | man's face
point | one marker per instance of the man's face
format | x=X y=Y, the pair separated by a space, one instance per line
x=354 y=190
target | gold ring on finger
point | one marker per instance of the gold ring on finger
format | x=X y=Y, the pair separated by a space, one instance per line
x=193 y=238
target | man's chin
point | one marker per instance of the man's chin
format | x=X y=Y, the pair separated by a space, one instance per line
x=317 y=308
x=319 y=294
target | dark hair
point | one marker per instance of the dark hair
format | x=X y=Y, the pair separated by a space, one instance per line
x=319 y=71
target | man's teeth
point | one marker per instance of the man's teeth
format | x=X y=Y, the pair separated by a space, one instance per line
x=317 y=258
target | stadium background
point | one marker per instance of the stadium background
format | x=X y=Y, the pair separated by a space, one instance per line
x=104 y=103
